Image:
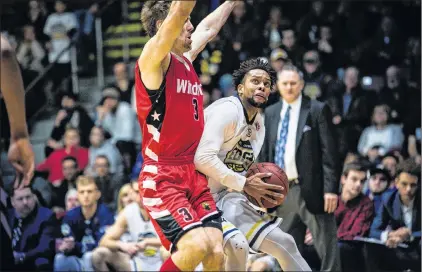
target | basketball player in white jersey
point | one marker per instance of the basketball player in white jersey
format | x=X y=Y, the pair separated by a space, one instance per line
x=142 y=253
x=232 y=139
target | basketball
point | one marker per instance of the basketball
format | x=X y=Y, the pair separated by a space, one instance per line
x=278 y=177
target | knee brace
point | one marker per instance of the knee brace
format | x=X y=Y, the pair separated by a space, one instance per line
x=237 y=251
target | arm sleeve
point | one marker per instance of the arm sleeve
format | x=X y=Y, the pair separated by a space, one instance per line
x=77 y=250
x=363 y=143
x=46 y=243
x=219 y=127
x=45 y=166
x=47 y=26
x=380 y=223
x=330 y=161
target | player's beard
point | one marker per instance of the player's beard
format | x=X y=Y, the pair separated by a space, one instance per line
x=255 y=104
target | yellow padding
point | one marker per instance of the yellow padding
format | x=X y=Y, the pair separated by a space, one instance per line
x=135 y=5
x=115 y=54
x=134 y=16
x=122 y=28
x=129 y=40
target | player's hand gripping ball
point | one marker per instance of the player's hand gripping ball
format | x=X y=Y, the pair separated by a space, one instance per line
x=278 y=177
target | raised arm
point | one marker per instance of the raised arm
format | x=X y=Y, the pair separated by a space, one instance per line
x=12 y=89
x=209 y=28
x=11 y=85
x=159 y=46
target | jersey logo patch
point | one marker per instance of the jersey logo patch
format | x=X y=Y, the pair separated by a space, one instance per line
x=206 y=206
x=241 y=157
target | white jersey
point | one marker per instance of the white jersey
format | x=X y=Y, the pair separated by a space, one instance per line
x=139 y=228
x=236 y=142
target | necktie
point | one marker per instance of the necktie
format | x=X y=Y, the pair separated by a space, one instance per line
x=17 y=233
x=280 y=147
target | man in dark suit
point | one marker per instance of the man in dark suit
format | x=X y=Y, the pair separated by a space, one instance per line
x=300 y=139
x=33 y=232
x=398 y=222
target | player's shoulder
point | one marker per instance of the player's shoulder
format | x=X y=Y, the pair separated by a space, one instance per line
x=227 y=105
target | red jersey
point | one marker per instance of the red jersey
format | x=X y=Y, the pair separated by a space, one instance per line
x=171 y=118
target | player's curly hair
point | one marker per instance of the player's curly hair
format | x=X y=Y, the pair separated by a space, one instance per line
x=252 y=64
x=154 y=11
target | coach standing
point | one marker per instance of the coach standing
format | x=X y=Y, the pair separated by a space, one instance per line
x=300 y=139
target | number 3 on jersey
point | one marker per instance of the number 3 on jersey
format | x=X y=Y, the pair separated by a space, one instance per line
x=195 y=109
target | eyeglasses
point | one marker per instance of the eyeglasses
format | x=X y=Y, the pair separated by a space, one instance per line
x=310 y=61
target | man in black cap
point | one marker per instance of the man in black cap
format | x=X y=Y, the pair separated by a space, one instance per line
x=278 y=59
x=378 y=185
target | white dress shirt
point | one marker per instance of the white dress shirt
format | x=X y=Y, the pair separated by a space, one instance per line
x=290 y=150
x=407 y=214
x=407 y=218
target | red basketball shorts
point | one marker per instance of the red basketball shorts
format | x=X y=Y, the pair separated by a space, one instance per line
x=177 y=199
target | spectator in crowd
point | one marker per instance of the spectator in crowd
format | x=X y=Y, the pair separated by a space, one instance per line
x=377 y=185
x=394 y=94
x=119 y=119
x=125 y=196
x=294 y=51
x=108 y=183
x=30 y=53
x=36 y=16
x=101 y=146
x=60 y=27
x=278 y=59
x=316 y=81
x=141 y=252
x=71 y=199
x=60 y=189
x=73 y=115
x=242 y=34
x=412 y=61
x=293 y=127
x=272 y=32
x=354 y=216
x=52 y=164
x=386 y=46
x=122 y=82
x=82 y=229
x=34 y=232
x=380 y=138
x=327 y=49
x=389 y=162
x=398 y=221
x=350 y=110
x=86 y=37
x=308 y=26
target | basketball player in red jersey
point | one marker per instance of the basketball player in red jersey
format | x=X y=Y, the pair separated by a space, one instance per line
x=170 y=111
x=20 y=151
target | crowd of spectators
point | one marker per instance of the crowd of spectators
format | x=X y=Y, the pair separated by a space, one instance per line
x=361 y=58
